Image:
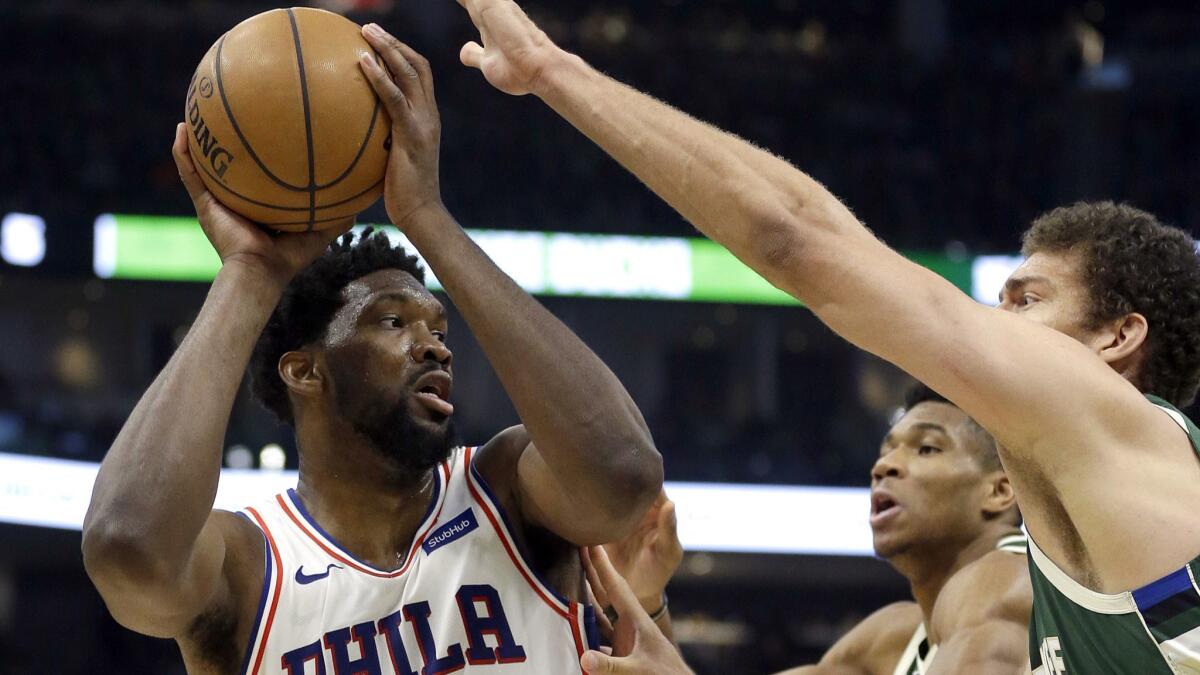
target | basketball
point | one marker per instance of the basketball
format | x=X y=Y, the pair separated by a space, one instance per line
x=283 y=127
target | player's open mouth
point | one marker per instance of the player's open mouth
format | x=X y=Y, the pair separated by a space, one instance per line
x=883 y=508
x=433 y=392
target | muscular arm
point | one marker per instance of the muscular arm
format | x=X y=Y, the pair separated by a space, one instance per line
x=587 y=467
x=874 y=646
x=151 y=542
x=583 y=464
x=1045 y=397
x=981 y=620
x=157 y=552
x=790 y=229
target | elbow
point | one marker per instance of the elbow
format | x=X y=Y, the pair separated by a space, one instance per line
x=644 y=476
x=116 y=558
x=779 y=243
x=633 y=485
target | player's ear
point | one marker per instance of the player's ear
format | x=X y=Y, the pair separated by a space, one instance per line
x=302 y=373
x=1123 y=338
x=1000 y=497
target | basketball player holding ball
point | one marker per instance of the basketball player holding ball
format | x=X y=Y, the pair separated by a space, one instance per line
x=1079 y=374
x=398 y=552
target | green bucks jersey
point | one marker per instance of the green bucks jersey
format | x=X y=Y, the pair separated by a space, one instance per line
x=1153 y=630
x=918 y=655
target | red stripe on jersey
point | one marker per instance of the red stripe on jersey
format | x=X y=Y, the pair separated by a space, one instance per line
x=366 y=570
x=262 y=645
x=502 y=532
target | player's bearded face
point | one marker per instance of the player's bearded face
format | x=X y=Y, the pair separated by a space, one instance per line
x=384 y=415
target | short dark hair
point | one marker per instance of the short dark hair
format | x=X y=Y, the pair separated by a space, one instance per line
x=309 y=302
x=1133 y=263
x=984 y=446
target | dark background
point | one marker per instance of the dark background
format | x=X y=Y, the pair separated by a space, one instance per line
x=944 y=125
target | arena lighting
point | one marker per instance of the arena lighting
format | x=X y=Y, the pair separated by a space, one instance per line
x=272 y=457
x=23 y=239
x=156 y=248
x=988 y=274
x=715 y=517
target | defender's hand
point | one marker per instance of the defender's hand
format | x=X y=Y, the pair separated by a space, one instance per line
x=406 y=91
x=514 y=52
x=649 y=556
x=278 y=256
x=639 y=647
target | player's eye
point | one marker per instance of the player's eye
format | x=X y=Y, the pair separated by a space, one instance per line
x=440 y=336
x=928 y=450
x=392 y=321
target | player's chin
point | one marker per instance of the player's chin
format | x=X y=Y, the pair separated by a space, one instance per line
x=888 y=544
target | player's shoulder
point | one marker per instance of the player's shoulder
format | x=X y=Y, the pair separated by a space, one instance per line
x=894 y=622
x=885 y=631
x=994 y=587
x=496 y=461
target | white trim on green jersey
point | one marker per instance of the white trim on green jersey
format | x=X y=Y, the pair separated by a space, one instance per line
x=1101 y=603
x=912 y=661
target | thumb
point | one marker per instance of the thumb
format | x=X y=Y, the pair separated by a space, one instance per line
x=594 y=662
x=667 y=522
x=471 y=55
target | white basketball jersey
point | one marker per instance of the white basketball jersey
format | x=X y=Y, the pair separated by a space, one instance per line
x=465 y=598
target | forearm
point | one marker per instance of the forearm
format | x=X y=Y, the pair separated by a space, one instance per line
x=156 y=486
x=757 y=205
x=582 y=421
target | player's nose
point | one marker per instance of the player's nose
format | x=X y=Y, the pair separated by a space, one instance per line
x=427 y=347
x=887 y=466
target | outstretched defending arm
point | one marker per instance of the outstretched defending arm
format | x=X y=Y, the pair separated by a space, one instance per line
x=583 y=465
x=151 y=542
x=1054 y=400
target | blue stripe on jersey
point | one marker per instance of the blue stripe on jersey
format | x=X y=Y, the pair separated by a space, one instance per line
x=512 y=531
x=262 y=598
x=1156 y=591
x=590 y=628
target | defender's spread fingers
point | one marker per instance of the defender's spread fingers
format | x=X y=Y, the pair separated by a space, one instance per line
x=471 y=55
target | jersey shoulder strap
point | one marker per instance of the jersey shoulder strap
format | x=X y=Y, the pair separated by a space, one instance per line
x=1182 y=420
x=918 y=655
x=1016 y=542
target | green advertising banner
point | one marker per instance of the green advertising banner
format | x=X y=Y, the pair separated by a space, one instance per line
x=157 y=248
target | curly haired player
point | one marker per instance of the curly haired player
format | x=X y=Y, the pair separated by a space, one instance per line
x=397 y=552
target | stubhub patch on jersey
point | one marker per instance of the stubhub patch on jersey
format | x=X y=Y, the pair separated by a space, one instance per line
x=457 y=528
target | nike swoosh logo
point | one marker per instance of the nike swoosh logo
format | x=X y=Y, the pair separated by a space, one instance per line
x=304 y=579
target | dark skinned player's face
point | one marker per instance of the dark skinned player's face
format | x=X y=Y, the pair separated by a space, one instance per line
x=386 y=353
x=928 y=487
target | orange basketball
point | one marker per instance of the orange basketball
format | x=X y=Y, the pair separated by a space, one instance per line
x=283 y=126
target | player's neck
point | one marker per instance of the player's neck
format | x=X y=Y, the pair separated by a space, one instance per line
x=928 y=571
x=358 y=497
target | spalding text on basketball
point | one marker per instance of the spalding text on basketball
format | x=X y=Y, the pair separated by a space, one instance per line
x=218 y=157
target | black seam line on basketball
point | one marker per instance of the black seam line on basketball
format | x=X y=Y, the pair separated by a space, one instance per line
x=315 y=222
x=312 y=161
x=361 y=149
x=279 y=207
x=238 y=130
